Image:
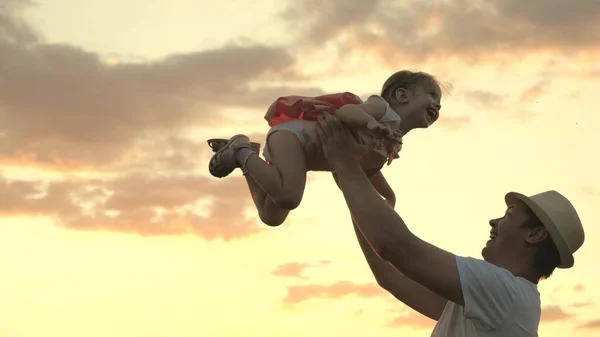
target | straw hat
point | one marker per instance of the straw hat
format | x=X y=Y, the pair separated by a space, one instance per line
x=560 y=219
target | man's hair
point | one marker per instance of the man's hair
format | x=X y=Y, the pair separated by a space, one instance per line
x=546 y=257
x=403 y=79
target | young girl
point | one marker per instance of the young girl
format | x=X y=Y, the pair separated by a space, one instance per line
x=292 y=146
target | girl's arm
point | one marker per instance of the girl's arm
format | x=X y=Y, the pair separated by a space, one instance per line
x=384 y=189
x=361 y=115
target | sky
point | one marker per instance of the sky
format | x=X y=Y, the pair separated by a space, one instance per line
x=110 y=224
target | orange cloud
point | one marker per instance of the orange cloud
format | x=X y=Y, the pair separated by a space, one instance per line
x=359 y=312
x=554 y=313
x=591 y=191
x=414 y=320
x=581 y=304
x=300 y=293
x=593 y=324
x=67 y=110
x=137 y=203
x=295 y=269
x=458 y=28
x=292 y=269
x=535 y=92
x=484 y=98
x=454 y=122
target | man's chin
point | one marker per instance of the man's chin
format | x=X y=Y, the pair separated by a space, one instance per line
x=485 y=253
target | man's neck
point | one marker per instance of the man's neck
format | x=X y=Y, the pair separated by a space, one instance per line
x=520 y=268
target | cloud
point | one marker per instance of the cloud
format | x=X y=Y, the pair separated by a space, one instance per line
x=61 y=105
x=591 y=191
x=581 y=304
x=554 y=313
x=454 y=122
x=64 y=107
x=126 y=123
x=593 y=324
x=534 y=92
x=484 y=98
x=359 y=312
x=412 y=319
x=292 y=269
x=12 y=28
x=137 y=203
x=301 y=293
x=471 y=29
x=570 y=288
x=295 y=269
x=326 y=20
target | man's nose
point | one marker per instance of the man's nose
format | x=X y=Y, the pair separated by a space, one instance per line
x=494 y=222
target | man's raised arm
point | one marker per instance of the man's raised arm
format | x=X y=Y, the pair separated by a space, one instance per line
x=429 y=266
x=403 y=288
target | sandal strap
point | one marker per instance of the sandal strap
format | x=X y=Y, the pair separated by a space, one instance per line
x=212 y=143
x=223 y=162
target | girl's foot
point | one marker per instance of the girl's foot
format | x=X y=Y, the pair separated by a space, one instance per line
x=223 y=162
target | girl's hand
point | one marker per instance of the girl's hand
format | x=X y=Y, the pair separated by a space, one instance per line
x=393 y=150
x=379 y=129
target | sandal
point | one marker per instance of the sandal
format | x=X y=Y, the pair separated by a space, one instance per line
x=223 y=161
x=217 y=143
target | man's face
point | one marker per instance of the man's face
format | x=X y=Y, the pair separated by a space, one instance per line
x=506 y=233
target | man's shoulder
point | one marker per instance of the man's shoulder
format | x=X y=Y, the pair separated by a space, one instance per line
x=479 y=264
x=490 y=278
x=487 y=267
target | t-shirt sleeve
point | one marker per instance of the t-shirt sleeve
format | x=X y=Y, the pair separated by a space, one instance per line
x=489 y=291
x=376 y=99
x=390 y=115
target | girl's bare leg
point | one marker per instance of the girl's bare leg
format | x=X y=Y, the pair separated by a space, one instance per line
x=283 y=181
x=276 y=187
x=269 y=213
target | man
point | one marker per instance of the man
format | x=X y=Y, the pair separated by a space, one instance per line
x=494 y=297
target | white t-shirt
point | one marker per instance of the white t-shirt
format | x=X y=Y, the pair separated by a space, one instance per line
x=497 y=304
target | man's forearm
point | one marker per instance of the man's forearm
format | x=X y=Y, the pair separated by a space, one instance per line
x=383 y=271
x=400 y=286
x=378 y=222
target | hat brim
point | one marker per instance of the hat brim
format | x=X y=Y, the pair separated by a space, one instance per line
x=566 y=257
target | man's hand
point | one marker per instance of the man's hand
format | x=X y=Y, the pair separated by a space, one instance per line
x=339 y=145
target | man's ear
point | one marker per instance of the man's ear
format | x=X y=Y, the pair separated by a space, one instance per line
x=402 y=95
x=537 y=235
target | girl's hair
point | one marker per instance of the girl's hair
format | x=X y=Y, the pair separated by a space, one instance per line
x=404 y=79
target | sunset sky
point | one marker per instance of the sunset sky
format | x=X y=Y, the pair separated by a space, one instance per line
x=110 y=224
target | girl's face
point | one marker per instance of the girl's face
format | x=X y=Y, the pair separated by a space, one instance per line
x=421 y=105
